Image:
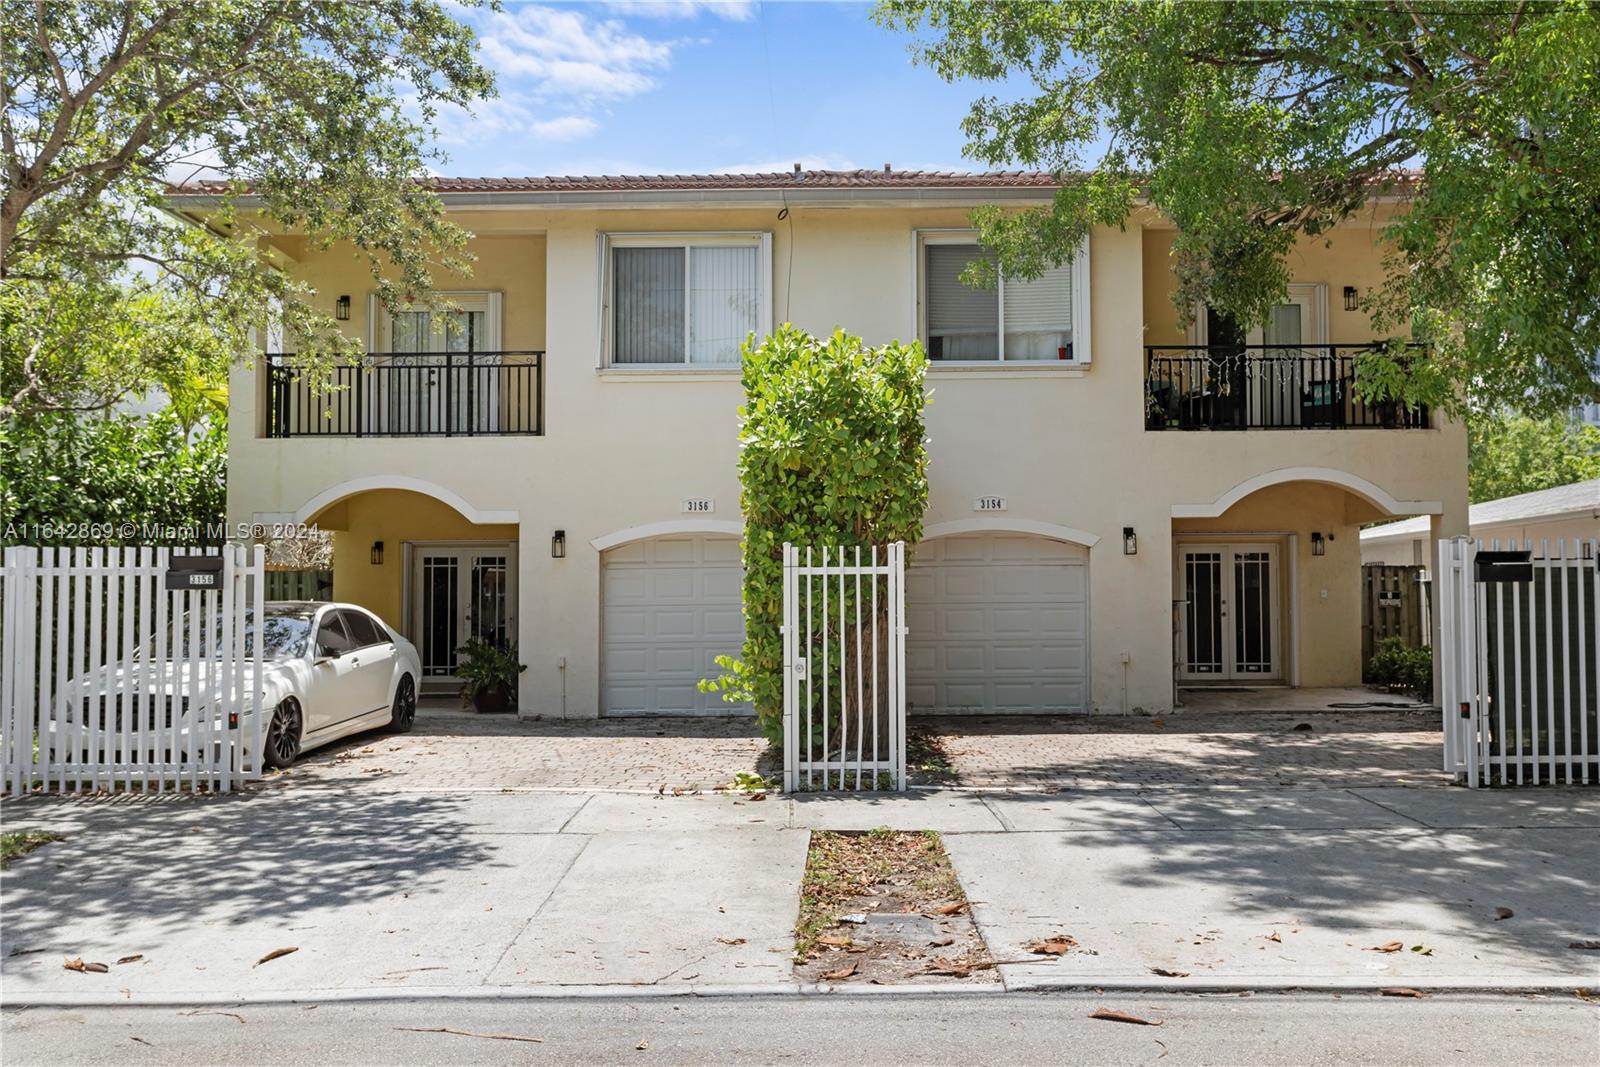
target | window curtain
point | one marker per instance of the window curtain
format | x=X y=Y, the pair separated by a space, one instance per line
x=1039 y=315
x=648 y=305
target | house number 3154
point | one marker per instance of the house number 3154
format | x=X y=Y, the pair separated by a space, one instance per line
x=989 y=503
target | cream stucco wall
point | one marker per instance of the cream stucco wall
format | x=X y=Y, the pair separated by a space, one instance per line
x=1066 y=445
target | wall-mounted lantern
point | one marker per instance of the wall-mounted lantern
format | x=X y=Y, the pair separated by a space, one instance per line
x=1319 y=547
x=341 y=309
x=1130 y=543
x=1352 y=299
x=558 y=545
x=377 y=553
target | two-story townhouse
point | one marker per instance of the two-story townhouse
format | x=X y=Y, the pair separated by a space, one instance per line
x=1119 y=504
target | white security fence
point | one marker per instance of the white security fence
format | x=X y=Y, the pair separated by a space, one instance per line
x=1519 y=661
x=130 y=668
x=844 y=667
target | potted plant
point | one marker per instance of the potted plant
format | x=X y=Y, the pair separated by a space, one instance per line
x=488 y=674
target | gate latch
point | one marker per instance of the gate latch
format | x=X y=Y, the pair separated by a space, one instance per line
x=802 y=667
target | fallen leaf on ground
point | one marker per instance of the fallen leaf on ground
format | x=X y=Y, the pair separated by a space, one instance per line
x=641 y=1046
x=1422 y=950
x=1588 y=945
x=730 y=940
x=841 y=973
x=757 y=796
x=1503 y=913
x=835 y=941
x=276 y=953
x=135 y=958
x=1059 y=945
x=948 y=909
x=1120 y=1017
x=76 y=964
x=957 y=968
x=1403 y=991
x=1273 y=937
x=1163 y=972
x=470 y=1033
x=212 y=1011
x=1388 y=946
x=941 y=942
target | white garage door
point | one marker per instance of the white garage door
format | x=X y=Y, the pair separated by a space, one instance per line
x=998 y=623
x=670 y=608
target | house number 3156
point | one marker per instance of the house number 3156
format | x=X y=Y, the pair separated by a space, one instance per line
x=699 y=505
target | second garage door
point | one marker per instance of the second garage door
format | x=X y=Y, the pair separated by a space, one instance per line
x=998 y=623
x=670 y=606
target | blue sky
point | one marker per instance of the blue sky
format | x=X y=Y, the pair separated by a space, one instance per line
x=677 y=86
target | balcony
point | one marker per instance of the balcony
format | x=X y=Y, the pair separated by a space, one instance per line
x=1264 y=387
x=414 y=394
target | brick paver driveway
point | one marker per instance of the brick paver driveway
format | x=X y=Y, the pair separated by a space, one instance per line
x=455 y=751
x=1184 y=748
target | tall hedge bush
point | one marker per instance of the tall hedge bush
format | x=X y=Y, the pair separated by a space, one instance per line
x=833 y=451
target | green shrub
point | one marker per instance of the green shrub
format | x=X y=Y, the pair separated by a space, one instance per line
x=832 y=452
x=1399 y=666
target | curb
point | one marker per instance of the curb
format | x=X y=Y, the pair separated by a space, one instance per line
x=1131 y=986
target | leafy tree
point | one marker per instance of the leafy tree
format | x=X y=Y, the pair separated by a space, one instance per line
x=832 y=452
x=320 y=112
x=63 y=468
x=1511 y=453
x=1255 y=125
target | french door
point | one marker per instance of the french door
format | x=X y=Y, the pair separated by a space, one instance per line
x=1230 y=627
x=458 y=593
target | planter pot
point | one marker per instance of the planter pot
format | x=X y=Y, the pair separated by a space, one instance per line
x=490 y=701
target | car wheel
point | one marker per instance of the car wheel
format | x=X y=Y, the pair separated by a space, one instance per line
x=404 y=715
x=283 y=736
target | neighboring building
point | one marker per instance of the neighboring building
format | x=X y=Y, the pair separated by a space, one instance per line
x=1569 y=513
x=565 y=476
x=1587 y=414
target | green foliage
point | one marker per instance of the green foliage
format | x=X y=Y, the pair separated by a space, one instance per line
x=1509 y=453
x=62 y=468
x=306 y=116
x=485 y=666
x=832 y=452
x=1256 y=125
x=1399 y=666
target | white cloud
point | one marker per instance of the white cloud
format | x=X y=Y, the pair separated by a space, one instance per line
x=732 y=10
x=565 y=128
x=564 y=52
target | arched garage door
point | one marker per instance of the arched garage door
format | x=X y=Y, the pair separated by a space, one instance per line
x=998 y=623
x=669 y=608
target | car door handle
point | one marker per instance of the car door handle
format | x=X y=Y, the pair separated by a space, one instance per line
x=354 y=662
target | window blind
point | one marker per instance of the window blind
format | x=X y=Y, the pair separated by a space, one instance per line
x=648 y=305
x=1039 y=314
x=724 y=302
x=963 y=322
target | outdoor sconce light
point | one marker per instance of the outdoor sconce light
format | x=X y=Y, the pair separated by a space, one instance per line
x=1130 y=543
x=1319 y=547
x=341 y=309
x=558 y=545
x=1351 y=298
x=377 y=553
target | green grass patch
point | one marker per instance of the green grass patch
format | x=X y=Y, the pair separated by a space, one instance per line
x=18 y=843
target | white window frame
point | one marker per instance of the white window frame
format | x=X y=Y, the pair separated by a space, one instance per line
x=1313 y=294
x=1082 y=328
x=761 y=240
x=490 y=301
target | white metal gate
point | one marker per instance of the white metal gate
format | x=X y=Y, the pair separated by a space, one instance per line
x=844 y=667
x=109 y=679
x=1519 y=663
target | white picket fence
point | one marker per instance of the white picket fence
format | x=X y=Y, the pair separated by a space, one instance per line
x=844 y=667
x=1519 y=664
x=109 y=680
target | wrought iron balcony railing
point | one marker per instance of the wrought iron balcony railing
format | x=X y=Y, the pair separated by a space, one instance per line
x=412 y=394
x=1264 y=387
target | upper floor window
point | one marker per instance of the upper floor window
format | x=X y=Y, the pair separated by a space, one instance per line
x=472 y=325
x=688 y=300
x=1019 y=320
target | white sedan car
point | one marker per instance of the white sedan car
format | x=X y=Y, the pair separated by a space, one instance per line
x=328 y=670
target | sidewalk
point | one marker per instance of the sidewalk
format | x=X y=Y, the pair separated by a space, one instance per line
x=519 y=894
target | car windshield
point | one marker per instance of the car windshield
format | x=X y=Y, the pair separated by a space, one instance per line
x=288 y=635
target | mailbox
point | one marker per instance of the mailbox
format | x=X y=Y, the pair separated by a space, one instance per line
x=1504 y=566
x=194 y=572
